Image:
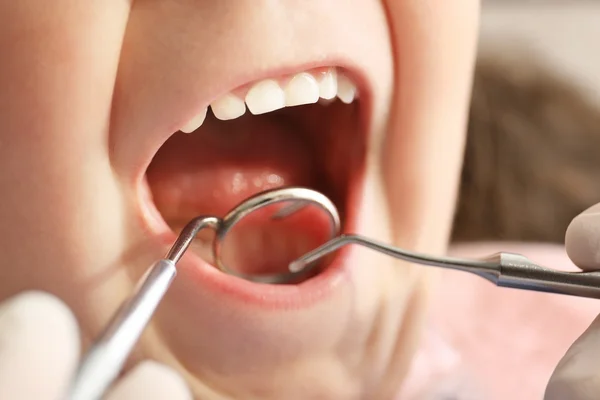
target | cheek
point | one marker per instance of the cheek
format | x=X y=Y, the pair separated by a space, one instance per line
x=435 y=43
x=57 y=73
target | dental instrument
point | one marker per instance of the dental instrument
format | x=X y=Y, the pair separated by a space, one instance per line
x=104 y=360
x=102 y=363
x=502 y=269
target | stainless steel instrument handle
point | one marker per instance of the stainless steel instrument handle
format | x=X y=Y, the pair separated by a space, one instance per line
x=105 y=359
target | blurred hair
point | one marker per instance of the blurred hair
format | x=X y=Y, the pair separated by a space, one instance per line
x=532 y=159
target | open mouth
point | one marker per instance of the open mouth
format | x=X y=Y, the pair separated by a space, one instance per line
x=303 y=129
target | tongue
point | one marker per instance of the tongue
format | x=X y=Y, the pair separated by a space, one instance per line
x=225 y=162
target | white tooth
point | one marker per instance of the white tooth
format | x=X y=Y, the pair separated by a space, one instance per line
x=302 y=89
x=346 y=89
x=194 y=123
x=228 y=107
x=265 y=96
x=328 y=86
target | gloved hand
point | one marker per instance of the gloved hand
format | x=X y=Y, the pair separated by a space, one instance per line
x=577 y=376
x=39 y=350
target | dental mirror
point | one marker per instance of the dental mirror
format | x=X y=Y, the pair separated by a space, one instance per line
x=260 y=237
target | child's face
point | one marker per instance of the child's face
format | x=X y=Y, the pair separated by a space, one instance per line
x=91 y=89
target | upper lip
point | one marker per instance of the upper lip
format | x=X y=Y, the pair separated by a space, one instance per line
x=171 y=69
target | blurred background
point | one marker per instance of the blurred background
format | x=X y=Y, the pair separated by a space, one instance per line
x=532 y=163
x=564 y=33
x=532 y=160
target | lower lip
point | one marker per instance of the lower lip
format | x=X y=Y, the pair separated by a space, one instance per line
x=208 y=279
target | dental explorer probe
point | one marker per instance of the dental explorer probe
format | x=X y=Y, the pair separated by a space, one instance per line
x=103 y=362
x=503 y=269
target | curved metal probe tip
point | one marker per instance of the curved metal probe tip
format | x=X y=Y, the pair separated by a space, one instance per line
x=502 y=269
x=483 y=268
x=188 y=234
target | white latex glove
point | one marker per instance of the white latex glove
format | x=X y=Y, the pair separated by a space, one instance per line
x=577 y=376
x=39 y=350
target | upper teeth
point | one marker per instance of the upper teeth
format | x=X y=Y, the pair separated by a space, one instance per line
x=301 y=89
x=265 y=96
x=228 y=107
x=270 y=95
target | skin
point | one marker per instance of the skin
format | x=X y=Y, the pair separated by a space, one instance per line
x=84 y=82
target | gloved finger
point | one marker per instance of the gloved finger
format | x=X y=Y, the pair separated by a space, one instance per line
x=39 y=347
x=577 y=376
x=151 y=381
x=582 y=239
